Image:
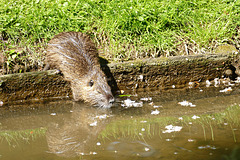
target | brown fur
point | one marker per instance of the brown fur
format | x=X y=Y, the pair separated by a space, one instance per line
x=77 y=57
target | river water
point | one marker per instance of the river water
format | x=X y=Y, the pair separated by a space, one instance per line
x=190 y=123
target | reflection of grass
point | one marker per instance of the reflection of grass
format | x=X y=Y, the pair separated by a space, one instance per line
x=132 y=128
x=231 y=114
x=22 y=135
x=230 y=117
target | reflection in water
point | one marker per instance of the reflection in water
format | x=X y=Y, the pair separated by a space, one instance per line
x=75 y=134
x=133 y=148
x=68 y=130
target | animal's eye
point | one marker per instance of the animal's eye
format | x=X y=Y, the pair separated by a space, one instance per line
x=90 y=83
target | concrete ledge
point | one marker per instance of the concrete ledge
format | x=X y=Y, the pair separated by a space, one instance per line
x=158 y=73
x=165 y=72
x=33 y=86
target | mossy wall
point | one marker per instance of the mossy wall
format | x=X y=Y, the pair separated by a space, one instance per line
x=165 y=72
x=158 y=73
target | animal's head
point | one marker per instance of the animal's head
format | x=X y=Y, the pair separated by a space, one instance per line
x=93 y=88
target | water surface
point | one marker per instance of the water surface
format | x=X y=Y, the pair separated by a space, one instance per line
x=146 y=125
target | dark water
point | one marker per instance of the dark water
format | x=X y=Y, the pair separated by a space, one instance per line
x=156 y=126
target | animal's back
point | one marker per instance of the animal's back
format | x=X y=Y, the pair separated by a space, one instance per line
x=73 y=53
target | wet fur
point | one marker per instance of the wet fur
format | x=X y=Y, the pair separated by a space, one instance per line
x=77 y=57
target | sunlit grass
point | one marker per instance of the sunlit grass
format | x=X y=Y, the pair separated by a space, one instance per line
x=122 y=30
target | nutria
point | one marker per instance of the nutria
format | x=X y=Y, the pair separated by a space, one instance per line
x=76 y=56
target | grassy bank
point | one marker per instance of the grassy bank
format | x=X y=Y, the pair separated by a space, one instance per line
x=122 y=30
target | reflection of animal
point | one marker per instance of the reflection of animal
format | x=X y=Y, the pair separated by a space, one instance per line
x=77 y=57
x=71 y=135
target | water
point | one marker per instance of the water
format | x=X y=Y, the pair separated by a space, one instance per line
x=158 y=127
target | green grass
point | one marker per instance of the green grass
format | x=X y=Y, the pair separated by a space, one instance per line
x=122 y=30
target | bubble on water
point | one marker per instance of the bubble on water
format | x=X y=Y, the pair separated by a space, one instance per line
x=237 y=80
x=151 y=103
x=171 y=128
x=191 y=140
x=216 y=82
x=156 y=106
x=230 y=84
x=129 y=103
x=207 y=147
x=229 y=89
x=208 y=83
x=93 y=124
x=140 y=77
x=186 y=103
x=104 y=116
x=180 y=118
x=191 y=84
x=155 y=112
x=146 y=99
x=195 y=117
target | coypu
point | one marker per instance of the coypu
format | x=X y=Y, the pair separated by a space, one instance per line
x=76 y=56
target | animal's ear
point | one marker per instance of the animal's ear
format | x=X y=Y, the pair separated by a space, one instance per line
x=91 y=83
